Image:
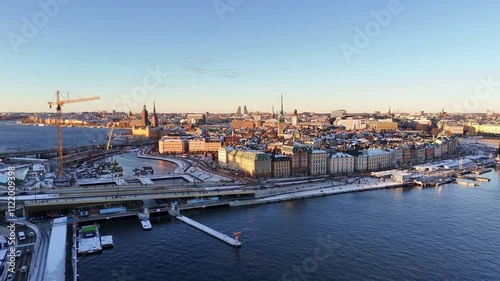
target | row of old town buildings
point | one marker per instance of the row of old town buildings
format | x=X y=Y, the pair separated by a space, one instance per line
x=280 y=145
x=298 y=159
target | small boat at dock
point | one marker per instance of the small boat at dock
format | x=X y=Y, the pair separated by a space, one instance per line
x=146 y=225
x=107 y=241
x=144 y=217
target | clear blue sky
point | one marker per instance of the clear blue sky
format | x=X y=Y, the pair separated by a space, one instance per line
x=428 y=56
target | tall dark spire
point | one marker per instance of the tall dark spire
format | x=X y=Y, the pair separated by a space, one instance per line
x=282 y=112
x=281 y=120
x=154 y=121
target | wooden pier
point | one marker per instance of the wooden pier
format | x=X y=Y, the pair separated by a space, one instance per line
x=223 y=237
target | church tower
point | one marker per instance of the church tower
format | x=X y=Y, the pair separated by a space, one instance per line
x=145 y=119
x=154 y=121
x=281 y=119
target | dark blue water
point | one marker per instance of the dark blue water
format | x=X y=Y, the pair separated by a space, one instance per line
x=18 y=138
x=446 y=233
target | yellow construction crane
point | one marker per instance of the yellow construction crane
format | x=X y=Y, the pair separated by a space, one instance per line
x=59 y=103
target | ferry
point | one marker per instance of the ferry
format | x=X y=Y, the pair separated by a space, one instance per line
x=89 y=240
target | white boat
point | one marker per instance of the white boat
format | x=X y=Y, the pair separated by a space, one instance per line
x=144 y=217
x=107 y=241
x=146 y=225
x=89 y=240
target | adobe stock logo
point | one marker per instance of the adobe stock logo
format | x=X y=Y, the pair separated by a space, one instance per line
x=30 y=28
x=372 y=29
x=223 y=6
x=483 y=91
x=152 y=80
x=324 y=250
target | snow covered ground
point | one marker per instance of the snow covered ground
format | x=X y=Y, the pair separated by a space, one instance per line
x=188 y=167
x=206 y=176
x=315 y=190
x=55 y=266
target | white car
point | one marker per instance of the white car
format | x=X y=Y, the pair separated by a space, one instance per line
x=18 y=253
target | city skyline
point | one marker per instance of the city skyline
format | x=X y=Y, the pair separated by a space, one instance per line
x=361 y=57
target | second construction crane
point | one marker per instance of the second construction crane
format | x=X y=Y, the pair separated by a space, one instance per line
x=59 y=103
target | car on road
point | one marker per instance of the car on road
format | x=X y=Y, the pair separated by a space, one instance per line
x=18 y=253
x=10 y=277
x=24 y=268
x=31 y=234
x=28 y=251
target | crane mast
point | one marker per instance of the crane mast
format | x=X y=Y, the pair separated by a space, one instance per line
x=59 y=103
x=109 y=138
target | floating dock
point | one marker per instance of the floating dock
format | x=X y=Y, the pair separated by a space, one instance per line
x=481 y=171
x=223 y=237
x=466 y=183
x=477 y=178
x=107 y=241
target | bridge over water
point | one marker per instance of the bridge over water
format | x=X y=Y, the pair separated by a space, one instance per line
x=112 y=199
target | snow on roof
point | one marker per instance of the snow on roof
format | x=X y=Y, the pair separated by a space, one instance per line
x=38 y=167
x=281 y=156
x=55 y=267
x=376 y=152
x=341 y=155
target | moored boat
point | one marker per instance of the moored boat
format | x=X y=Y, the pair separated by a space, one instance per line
x=144 y=217
x=89 y=240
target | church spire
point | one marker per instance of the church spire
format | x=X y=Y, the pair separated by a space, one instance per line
x=282 y=112
x=281 y=120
